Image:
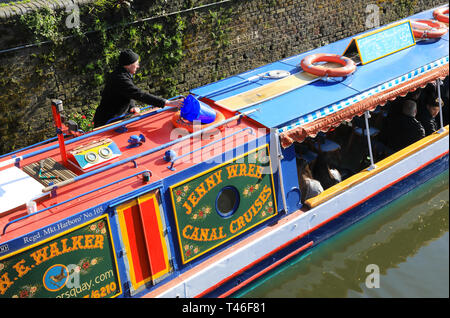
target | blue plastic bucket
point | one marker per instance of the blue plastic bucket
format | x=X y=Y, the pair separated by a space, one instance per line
x=194 y=109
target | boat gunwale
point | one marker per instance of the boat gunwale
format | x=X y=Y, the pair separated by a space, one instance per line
x=380 y=166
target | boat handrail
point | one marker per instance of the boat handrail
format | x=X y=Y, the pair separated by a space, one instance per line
x=145 y=153
x=142 y=109
x=211 y=143
x=16 y=160
x=71 y=199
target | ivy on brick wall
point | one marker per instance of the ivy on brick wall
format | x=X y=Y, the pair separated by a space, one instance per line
x=402 y=8
x=89 y=51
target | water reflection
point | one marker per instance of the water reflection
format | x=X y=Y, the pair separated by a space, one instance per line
x=408 y=240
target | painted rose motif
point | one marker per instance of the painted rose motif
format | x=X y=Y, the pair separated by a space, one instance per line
x=202 y=213
x=100 y=227
x=180 y=193
x=190 y=250
x=250 y=189
x=85 y=264
x=26 y=292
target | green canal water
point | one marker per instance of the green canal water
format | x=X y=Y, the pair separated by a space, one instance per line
x=407 y=241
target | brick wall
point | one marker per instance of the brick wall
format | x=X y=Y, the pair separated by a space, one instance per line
x=254 y=33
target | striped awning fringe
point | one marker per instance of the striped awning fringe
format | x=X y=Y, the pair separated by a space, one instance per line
x=332 y=116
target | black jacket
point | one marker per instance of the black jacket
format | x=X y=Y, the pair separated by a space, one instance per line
x=428 y=122
x=118 y=97
x=403 y=131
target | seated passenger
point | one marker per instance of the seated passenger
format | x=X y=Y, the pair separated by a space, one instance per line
x=326 y=175
x=429 y=91
x=444 y=96
x=427 y=115
x=309 y=187
x=414 y=95
x=404 y=129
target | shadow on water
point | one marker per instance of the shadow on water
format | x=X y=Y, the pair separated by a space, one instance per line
x=408 y=240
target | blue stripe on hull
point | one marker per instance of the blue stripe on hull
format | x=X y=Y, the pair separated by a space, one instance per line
x=342 y=222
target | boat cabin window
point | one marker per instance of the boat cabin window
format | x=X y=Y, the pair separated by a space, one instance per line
x=331 y=157
x=227 y=201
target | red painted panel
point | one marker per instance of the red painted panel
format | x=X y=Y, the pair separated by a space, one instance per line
x=136 y=240
x=153 y=237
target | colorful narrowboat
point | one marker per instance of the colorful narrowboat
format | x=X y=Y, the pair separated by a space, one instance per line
x=166 y=205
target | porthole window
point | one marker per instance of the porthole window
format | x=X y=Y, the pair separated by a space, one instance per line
x=227 y=201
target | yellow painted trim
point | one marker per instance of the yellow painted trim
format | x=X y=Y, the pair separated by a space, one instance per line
x=143 y=199
x=348 y=46
x=207 y=171
x=267 y=91
x=71 y=230
x=380 y=30
x=381 y=165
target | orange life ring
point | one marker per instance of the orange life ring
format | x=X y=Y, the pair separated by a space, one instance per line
x=441 y=14
x=179 y=122
x=348 y=66
x=428 y=29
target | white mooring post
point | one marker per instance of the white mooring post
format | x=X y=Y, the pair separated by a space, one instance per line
x=438 y=84
x=366 y=118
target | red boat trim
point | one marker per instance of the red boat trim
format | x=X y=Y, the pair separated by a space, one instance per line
x=301 y=236
x=251 y=265
x=265 y=270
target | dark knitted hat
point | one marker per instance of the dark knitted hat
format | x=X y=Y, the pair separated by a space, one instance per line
x=127 y=57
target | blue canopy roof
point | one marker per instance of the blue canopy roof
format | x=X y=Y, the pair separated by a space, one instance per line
x=326 y=96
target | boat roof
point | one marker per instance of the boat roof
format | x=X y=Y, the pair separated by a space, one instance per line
x=116 y=180
x=288 y=108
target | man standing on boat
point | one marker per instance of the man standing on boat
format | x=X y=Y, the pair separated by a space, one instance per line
x=120 y=93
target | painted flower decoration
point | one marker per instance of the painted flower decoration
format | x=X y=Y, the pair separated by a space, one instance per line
x=181 y=193
x=24 y=293
x=250 y=189
x=190 y=250
x=202 y=213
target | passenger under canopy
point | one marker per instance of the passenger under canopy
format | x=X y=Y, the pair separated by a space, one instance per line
x=310 y=125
